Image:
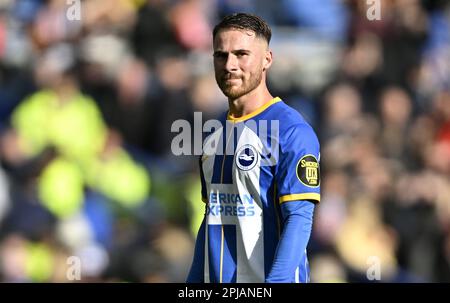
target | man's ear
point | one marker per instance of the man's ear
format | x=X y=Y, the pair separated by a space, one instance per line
x=267 y=60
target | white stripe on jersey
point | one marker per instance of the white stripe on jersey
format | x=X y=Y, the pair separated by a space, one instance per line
x=250 y=235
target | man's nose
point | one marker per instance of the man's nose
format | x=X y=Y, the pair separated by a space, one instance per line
x=231 y=64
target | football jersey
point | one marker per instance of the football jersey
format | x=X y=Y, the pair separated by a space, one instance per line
x=250 y=165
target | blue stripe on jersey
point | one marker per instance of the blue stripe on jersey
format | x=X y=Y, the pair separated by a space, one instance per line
x=223 y=164
x=229 y=262
x=271 y=229
x=214 y=251
x=227 y=170
x=222 y=253
x=217 y=169
x=223 y=169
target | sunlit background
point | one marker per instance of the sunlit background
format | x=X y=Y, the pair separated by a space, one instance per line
x=86 y=108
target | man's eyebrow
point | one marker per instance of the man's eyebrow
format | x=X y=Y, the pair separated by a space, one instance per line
x=241 y=51
x=220 y=52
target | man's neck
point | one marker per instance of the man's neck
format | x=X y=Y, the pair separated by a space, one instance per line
x=248 y=103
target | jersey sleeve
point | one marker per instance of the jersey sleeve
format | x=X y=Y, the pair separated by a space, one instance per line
x=294 y=239
x=298 y=170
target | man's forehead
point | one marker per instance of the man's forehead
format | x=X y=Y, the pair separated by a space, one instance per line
x=238 y=37
x=236 y=30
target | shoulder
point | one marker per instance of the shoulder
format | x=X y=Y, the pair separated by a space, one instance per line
x=285 y=114
x=40 y=97
x=292 y=125
x=35 y=104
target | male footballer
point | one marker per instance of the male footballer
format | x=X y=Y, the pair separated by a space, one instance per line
x=260 y=177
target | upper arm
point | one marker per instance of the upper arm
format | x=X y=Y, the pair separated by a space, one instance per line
x=298 y=169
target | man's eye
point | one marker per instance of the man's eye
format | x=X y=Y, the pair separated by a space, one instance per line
x=220 y=56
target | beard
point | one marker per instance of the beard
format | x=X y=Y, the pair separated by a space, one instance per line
x=233 y=91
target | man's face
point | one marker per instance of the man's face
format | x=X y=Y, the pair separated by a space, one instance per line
x=240 y=59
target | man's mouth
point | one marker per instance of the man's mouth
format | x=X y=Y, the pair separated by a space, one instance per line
x=228 y=77
x=231 y=81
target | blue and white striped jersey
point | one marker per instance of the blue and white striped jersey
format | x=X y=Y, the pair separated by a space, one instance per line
x=249 y=167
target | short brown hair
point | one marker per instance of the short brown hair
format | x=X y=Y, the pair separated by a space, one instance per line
x=245 y=21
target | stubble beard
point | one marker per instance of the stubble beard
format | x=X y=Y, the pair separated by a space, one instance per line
x=234 y=92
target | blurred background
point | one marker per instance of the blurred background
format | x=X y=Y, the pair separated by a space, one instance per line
x=86 y=106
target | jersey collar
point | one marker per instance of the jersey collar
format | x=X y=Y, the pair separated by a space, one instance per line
x=254 y=113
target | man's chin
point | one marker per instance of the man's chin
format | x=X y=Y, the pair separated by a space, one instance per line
x=233 y=93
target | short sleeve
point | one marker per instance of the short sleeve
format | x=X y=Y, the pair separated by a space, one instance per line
x=298 y=168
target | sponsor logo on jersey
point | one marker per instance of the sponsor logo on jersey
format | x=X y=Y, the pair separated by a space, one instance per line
x=230 y=204
x=308 y=171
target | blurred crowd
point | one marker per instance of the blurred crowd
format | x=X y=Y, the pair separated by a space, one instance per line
x=86 y=107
